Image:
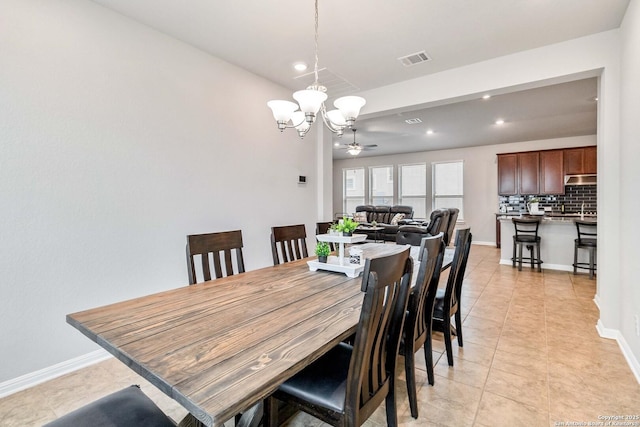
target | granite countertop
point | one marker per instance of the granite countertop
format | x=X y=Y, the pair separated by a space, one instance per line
x=568 y=217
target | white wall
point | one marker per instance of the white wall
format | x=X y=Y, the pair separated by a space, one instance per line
x=480 y=176
x=629 y=304
x=116 y=142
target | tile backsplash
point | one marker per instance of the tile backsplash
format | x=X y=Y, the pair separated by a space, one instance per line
x=574 y=197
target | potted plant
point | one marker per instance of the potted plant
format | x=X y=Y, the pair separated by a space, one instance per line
x=322 y=251
x=347 y=226
x=333 y=229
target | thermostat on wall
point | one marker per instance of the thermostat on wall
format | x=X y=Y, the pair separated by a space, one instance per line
x=302 y=179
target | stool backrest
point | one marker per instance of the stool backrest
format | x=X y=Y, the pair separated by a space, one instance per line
x=526 y=226
x=587 y=230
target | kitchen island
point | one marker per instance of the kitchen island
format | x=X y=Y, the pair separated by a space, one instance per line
x=557 y=236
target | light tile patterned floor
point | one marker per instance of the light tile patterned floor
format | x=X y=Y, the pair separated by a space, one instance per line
x=531 y=357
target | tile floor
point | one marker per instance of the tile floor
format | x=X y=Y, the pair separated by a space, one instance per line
x=531 y=357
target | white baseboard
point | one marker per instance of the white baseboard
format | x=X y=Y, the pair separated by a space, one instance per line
x=615 y=334
x=484 y=243
x=29 y=380
x=545 y=266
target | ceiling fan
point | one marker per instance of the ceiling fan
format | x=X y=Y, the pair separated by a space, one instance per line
x=354 y=148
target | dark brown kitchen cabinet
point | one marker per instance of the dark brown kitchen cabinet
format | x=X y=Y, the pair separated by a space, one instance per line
x=529 y=172
x=578 y=161
x=552 y=172
x=590 y=160
x=507 y=174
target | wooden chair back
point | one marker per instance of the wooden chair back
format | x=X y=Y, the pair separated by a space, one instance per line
x=417 y=327
x=453 y=218
x=288 y=243
x=456 y=274
x=220 y=248
x=371 y=378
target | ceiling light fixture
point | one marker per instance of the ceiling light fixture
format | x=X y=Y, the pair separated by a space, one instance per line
x=499 y=122
x=311 y=101
x=429 y=131
x=487 y=96
x=354 y=148
x=300 y=66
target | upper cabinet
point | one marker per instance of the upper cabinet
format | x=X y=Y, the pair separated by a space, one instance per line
x=542 y=172
x=552 y=172
x=529 y=172
x=507 y=174
x=591 y=160
x=578 y=161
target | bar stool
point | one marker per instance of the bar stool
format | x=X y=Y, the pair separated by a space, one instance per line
x=587 y=239
x=526 y=235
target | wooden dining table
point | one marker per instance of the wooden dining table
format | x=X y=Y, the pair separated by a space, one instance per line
x=220 y=347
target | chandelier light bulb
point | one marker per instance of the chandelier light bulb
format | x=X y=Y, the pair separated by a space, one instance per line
x=282 y=111
x=350 y=107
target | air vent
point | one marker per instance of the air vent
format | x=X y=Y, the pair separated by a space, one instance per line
x=413 y=121
x=414 y=58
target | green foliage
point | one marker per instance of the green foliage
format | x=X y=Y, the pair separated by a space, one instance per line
x=323 y=249
x=347 y=225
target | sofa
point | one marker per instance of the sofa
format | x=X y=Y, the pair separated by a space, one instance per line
x=390 y=218
x=440 y=220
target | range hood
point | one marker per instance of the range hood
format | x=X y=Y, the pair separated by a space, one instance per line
x=586 y=179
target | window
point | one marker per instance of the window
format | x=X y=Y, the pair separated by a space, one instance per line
x=353 y=189
x=447 y=186
x=413 y=188
x=381 y=185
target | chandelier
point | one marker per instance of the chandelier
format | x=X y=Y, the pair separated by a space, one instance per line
x=311 y=101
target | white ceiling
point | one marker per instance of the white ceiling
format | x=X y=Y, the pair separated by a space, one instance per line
x=360 y=41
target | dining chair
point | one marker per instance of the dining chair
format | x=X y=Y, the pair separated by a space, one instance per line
x=448 y=300
x=451 y=224
x=125 y=408
x=220 y=246
x=288 y=243
x=587 y=239
x=348 y=383
x=417 y=329
x=323 y=228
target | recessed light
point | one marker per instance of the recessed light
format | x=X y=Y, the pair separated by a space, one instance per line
x=487 y=96
x=499 y=122
x=413 y=121
x=429 y=131
x=300 y=66
x=336 y=144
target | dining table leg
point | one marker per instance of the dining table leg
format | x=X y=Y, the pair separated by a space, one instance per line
x=252 y=417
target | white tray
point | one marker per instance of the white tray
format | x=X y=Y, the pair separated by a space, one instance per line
x=333 y=264
x=336 y=238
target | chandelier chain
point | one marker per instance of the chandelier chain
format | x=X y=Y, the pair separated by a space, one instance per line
x=315 y=68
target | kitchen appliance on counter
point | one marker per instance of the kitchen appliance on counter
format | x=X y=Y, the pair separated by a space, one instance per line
x=534 y=208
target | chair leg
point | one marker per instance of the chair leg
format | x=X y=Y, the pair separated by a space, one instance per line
x=539 y=259
x=514 y=254
x=591 y=262
x=459 y=325
x=410 y=374
x=531 y=256
x=575 y=259
x=428 y=357
x=390 y=404
x=520 y=256
x=270 y=417
x=446 y=329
